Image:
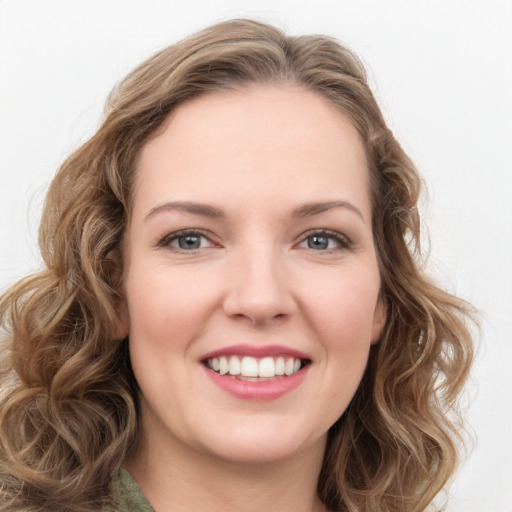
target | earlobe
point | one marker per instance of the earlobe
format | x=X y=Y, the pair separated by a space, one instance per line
x=379 y=319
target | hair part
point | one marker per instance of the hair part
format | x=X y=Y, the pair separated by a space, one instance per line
x=69 y=413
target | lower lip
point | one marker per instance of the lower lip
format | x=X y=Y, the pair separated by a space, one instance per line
x=257 y=390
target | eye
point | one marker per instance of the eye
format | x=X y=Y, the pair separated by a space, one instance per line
x=186 y=240
x=325 y=241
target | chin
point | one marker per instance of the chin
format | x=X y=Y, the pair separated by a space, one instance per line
x=265 y=445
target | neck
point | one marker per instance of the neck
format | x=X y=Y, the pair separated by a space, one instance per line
x=186 y=480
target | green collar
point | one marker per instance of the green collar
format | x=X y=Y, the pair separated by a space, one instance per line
x=126 y=494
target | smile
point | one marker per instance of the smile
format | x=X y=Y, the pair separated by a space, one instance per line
x=257 y=372
x=254 y=368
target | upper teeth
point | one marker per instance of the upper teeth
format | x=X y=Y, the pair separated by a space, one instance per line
x=248 y=366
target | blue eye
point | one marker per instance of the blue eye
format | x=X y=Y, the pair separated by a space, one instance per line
x=186 y=241
x=318 y=242
x=324 y=241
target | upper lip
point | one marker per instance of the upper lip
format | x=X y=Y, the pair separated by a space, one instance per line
x=258 y=351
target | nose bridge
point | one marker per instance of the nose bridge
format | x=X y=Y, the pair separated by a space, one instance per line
x=259 y=286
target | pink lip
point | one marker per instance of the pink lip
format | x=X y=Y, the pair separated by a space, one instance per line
x=257 y=390
x=256 y=351
x=262 y=390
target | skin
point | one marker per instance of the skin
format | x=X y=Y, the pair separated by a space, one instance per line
x=258 y=155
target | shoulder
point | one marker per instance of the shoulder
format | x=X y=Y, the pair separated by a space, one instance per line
x=127 y=495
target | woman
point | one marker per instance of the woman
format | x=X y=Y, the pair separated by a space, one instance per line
x=233 y=315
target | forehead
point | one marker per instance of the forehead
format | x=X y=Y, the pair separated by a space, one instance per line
x=264 y=142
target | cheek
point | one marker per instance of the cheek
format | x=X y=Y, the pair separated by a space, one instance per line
x=342 y=314
x=166 y=308
x=344 y=308
x=165 y=317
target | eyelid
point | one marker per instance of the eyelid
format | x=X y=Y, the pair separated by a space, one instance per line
x=165 y=242
x=343 y=240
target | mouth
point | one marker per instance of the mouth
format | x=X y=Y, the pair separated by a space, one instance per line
x=257 y=372
x=256 y=369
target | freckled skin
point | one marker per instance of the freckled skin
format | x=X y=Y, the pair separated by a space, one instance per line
x=254 y=279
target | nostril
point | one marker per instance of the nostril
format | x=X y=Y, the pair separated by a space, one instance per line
x=258 y=295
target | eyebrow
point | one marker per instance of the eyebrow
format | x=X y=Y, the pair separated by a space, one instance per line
x=207 y=210
x=309 y=209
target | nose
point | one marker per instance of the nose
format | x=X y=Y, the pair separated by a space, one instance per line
x=259 y=288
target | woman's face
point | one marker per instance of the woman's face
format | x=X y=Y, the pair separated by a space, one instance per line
x=251 y=279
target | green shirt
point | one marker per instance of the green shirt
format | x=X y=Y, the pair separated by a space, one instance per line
x=127 y=496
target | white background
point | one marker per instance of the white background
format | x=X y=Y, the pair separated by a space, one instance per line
x=442 y=71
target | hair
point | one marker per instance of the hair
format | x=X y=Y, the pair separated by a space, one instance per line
x=69 y=411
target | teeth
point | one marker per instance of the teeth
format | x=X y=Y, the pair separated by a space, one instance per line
x=234 y=365
x=288 y=367
x=223 y=365
x=280 y=366
x=249 y=366
x=267 y=368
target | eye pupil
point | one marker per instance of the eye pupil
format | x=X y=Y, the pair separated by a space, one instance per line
x=318 y=242
x=189 y=242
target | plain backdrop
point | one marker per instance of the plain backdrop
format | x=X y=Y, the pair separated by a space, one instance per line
x=442 y=72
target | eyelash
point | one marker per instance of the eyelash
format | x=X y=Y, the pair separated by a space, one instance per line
x=171 y=237
x=342 y=241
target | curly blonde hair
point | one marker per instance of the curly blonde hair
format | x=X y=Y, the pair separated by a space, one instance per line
x=68 y=407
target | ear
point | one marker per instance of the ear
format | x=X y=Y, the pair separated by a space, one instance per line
x=379 y=319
